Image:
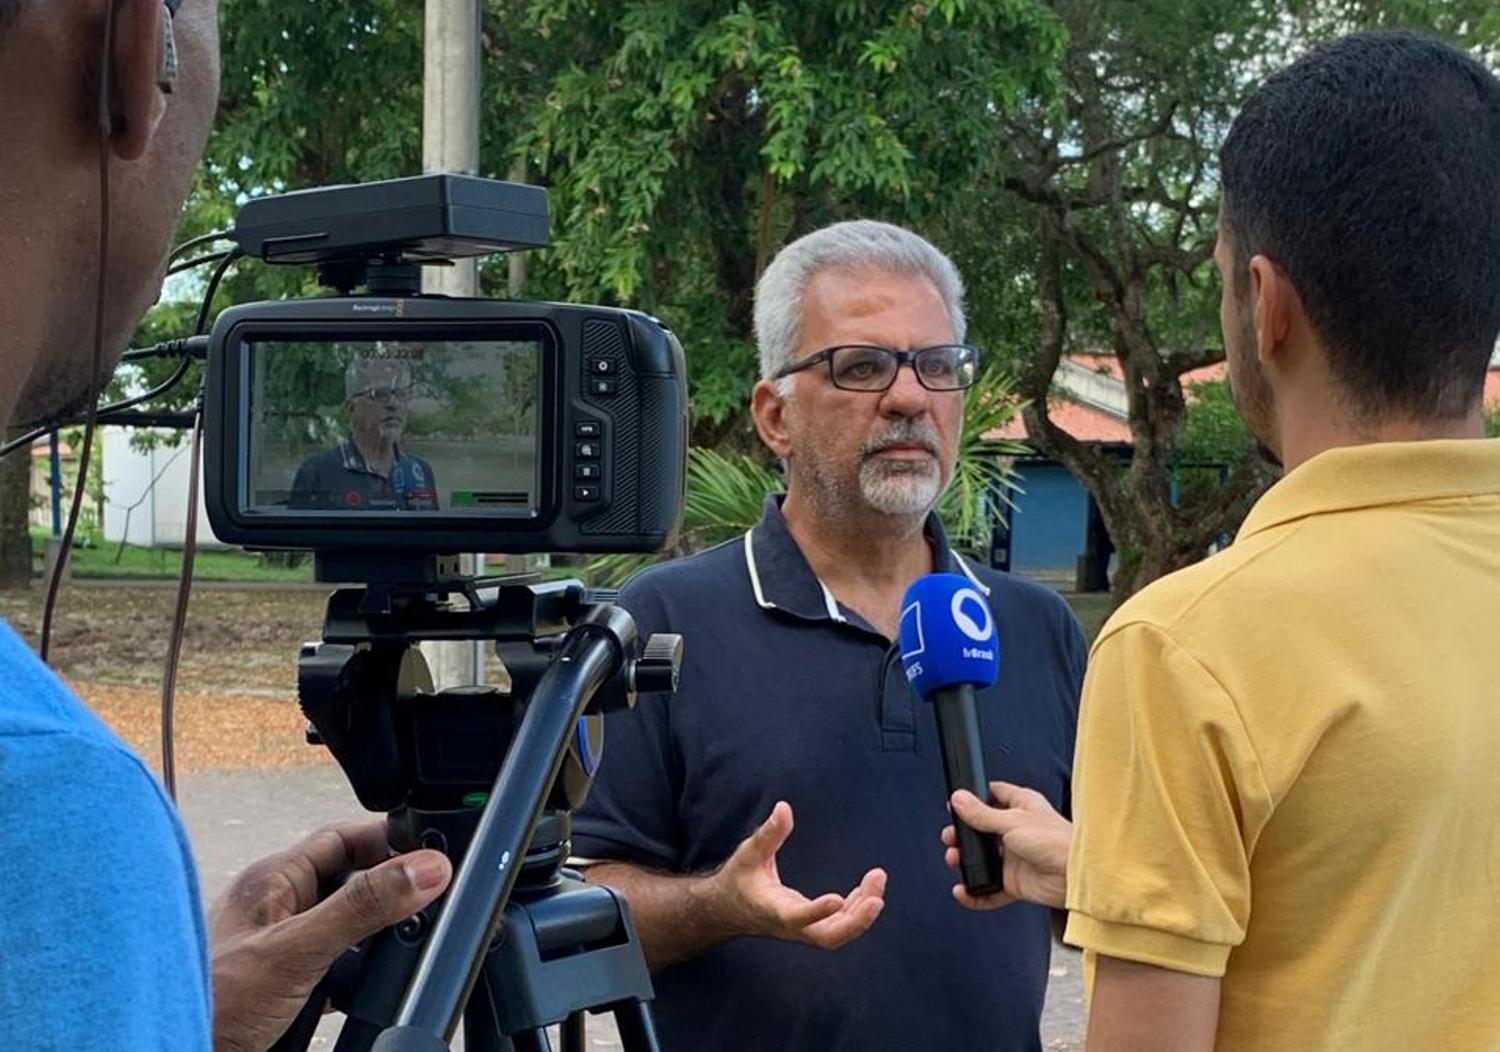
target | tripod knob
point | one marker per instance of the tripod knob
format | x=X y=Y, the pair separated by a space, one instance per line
x=660 y=663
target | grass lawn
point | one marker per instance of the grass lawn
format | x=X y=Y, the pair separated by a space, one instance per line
x=1092 y=609
x=98 y=560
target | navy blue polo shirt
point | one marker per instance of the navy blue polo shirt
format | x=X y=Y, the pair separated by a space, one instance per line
x=786 y=694
x=340 y=478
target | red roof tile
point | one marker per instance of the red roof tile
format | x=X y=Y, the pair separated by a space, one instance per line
x=1084 y=423
x=1088 y=424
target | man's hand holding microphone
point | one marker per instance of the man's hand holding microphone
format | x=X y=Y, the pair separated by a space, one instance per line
x=1016 y=847
x=1034 y=838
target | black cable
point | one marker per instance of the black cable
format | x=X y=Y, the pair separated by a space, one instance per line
x=191 y=346
x=228 y=261
x=196 y=261
x=105 y=412
x=217 y=235
x=189 y=552
x=189 y=349
x=179 y=614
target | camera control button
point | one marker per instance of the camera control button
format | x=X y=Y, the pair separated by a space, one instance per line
x=585 y=492
x=586 y=429
x=602 y=366
x=586 y=450
x=599 y=386
x=586 y=472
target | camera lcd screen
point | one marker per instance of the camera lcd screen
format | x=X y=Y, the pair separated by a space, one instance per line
x=399 y=427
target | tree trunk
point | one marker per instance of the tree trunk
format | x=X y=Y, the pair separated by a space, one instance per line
x=15 y=515
x=1151 y=535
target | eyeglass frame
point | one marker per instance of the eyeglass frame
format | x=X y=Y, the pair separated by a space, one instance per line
x=393 y=394
x=903 y=358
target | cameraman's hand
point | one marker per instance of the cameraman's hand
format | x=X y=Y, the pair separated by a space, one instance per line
x=1035 y=839
x=749 y=895
x=271 y=939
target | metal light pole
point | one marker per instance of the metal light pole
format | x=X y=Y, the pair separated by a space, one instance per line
x=450 y=143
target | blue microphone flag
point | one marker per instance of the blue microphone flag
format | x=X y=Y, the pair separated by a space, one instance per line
x=947 y=634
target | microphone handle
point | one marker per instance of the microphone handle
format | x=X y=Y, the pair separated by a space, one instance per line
x=963 y=766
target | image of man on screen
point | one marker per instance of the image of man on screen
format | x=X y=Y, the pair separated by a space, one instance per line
x=368 y=470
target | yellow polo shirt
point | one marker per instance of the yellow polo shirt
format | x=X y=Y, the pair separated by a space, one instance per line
x=1288 y=767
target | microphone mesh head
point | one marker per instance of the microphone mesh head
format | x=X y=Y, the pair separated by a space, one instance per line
x=948 y=634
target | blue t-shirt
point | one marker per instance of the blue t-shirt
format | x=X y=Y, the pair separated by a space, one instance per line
x=102 y=942
x=786 y=694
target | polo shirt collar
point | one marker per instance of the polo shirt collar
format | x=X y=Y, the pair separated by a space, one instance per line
x=354 y=460
x=781 y=579
x=1351 y=477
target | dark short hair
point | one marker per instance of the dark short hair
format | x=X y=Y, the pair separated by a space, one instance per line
x=1370 y=170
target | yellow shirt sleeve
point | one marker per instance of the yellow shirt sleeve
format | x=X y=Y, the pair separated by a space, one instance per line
x=1168 y=799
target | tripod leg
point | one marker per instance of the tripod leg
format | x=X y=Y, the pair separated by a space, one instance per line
x=482 y=1025
x=300 y=1034
x=532 y=1041
x=572 y=1033
x=637 y=1032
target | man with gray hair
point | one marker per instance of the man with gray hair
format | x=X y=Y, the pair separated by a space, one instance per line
x=369 y=470
x=792 y=700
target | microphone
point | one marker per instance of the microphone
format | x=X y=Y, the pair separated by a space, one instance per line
x=948 y=647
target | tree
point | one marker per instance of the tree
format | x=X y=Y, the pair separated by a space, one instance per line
x=1118 y=176
x=684 y=141
x=1063 y=151
x=15 y=519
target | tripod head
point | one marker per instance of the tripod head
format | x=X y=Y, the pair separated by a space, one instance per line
x=486 y=773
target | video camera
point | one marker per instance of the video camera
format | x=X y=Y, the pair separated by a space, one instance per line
x=392 y=421
x=388 y=431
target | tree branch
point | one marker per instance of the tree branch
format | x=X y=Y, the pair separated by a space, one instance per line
x=1160 y=128
x=1233 y=499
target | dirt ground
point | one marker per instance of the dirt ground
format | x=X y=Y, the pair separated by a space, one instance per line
x=236 y=705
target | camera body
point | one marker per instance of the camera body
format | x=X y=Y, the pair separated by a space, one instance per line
x=390 y=423
x=581 y=409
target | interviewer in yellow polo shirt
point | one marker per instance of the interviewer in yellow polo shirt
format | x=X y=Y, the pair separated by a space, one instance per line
x=1287 y=787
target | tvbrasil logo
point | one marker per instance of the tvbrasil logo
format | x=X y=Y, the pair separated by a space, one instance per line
x=971 y=615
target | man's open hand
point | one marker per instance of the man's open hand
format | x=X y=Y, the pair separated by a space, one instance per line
x=750 y=891
x=1035 y=839
x=272 y=939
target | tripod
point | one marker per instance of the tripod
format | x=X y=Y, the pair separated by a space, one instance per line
x=518 y=943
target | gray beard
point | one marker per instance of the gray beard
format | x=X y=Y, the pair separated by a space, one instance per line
x=900 y=488
x=904 y=489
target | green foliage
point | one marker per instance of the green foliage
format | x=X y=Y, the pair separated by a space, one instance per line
x=1213 y=431
x=1492 y=421
x=982 y=478
x=683 y=142
x=725 y=496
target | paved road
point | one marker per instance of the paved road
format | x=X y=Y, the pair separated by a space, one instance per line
x=236 y=818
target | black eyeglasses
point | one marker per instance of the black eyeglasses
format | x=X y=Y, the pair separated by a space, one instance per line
x=858 y=367
x=384 y=394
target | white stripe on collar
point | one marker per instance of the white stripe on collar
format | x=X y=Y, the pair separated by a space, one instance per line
x=964 y=566
x=760 y=596
x=829 y=602
x=832 y=604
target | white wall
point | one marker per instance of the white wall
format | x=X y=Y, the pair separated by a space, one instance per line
x=160 y=515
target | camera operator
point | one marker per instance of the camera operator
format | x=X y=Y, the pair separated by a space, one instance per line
x=105 y=944
x=793 y=701
x=1286 y=834
x=369 y=470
